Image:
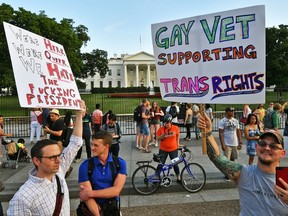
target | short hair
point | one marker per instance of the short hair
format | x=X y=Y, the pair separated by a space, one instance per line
x=277 y=106
x=105 y=136
x=112 y=116
x=97 y=106
x=21 y=140
x=36 y=150
x=144 y=100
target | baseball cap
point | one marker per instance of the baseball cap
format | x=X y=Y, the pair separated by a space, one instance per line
x=55 y=111
x=229 y=109
x=278 y=137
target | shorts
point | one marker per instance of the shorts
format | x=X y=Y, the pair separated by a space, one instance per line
x=154 y=121
x=231 y=152
x=144 y=129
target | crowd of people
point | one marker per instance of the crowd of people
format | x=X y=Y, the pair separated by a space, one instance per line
x=46 y=192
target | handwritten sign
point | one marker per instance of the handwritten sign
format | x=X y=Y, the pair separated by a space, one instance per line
x=41 y=69
x=215 y=58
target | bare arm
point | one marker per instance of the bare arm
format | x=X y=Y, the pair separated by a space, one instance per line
x=226 y=166
x=78 y=127
x=90 y=202
x=87 y=193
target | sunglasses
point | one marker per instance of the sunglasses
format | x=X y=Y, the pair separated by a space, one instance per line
x=53 y=157
x=272 y=146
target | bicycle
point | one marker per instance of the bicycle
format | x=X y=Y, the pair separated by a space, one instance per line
x=146 y=179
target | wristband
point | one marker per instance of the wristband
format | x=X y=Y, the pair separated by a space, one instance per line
x=208 y=134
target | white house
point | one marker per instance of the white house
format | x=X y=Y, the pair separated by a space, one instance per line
x=127 y=71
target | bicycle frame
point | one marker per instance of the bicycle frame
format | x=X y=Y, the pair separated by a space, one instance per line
x=166 y=168
x=146 y=178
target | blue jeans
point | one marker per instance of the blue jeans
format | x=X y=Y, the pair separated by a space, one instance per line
x=197 y=131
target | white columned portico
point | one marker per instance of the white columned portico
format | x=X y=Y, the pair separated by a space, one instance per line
x=148 y=75
x=137 y=75
x=125 y=76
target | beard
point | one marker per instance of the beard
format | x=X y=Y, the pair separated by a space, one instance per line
x=265 y=162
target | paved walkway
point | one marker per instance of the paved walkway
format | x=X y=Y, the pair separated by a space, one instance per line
x=216 y=189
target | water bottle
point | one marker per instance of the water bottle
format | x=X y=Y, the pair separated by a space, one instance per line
x=176 y=160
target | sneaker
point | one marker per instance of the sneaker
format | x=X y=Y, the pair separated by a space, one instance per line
x=179 y=181
x=156 y=143
x=227 y=179
x=151 y=143
x=77 y=160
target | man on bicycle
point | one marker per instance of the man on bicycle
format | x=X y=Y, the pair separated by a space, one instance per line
x=169 y=136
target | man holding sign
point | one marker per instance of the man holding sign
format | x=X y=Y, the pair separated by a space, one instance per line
x=259 y=195
x=46 y=191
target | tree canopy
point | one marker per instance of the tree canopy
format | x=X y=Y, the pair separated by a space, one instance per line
x=73 y=38
x=277 y=56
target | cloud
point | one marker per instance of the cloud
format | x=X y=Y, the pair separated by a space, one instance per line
x=113 y=27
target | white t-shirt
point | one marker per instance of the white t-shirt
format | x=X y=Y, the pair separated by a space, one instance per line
x=229 y=127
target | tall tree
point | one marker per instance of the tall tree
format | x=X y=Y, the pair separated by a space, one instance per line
x=277 y=56
x=65 y=33
x=95 y=62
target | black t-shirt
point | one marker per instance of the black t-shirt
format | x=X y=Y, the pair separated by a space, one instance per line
x=58 y=125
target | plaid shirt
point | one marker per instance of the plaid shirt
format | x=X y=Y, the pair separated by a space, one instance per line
x=38 y=195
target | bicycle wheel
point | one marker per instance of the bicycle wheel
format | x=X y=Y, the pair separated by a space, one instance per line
x=144 y=180
x=193 y=177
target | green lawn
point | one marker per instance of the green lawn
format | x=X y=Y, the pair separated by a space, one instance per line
x=9 y=105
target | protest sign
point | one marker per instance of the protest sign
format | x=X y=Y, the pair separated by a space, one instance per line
x=41 y=69
x=214 y=58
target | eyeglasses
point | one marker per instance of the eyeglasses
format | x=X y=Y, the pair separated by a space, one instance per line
x=53 y=157
x=272 y=146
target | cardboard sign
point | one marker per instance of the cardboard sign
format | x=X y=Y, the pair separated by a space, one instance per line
x=215 y=58
x=41 y=69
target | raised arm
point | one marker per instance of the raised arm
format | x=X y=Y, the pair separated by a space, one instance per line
x=78 y=127
x=226 y=166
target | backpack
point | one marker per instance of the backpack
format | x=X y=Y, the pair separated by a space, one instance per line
x=115 y=167
x=137 y=113
x=173 y=111
x=268 y=120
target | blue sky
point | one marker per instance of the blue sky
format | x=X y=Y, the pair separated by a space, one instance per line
x=116 y=26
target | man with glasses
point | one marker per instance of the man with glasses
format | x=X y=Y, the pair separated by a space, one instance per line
x=47 y=180
x=259 y=195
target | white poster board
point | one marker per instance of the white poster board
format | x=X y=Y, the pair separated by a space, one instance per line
x=41 y=69
x=214 y=58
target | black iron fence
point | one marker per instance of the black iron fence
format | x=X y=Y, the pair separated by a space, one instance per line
x=20 y=126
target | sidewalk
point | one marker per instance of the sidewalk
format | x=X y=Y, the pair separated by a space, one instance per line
x=14 y=178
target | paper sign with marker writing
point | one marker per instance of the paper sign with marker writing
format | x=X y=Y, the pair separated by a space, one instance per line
x=41 y=69
x=214 y=58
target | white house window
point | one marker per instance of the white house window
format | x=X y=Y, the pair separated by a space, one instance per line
x=118 y=72
x=101 y=84
x=109 y=72
x=119 y=84
x=92 y=84
x=110 y=84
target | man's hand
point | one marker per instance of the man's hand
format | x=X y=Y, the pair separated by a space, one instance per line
x=280 y=192
x=84 y=193
x=204 y=122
